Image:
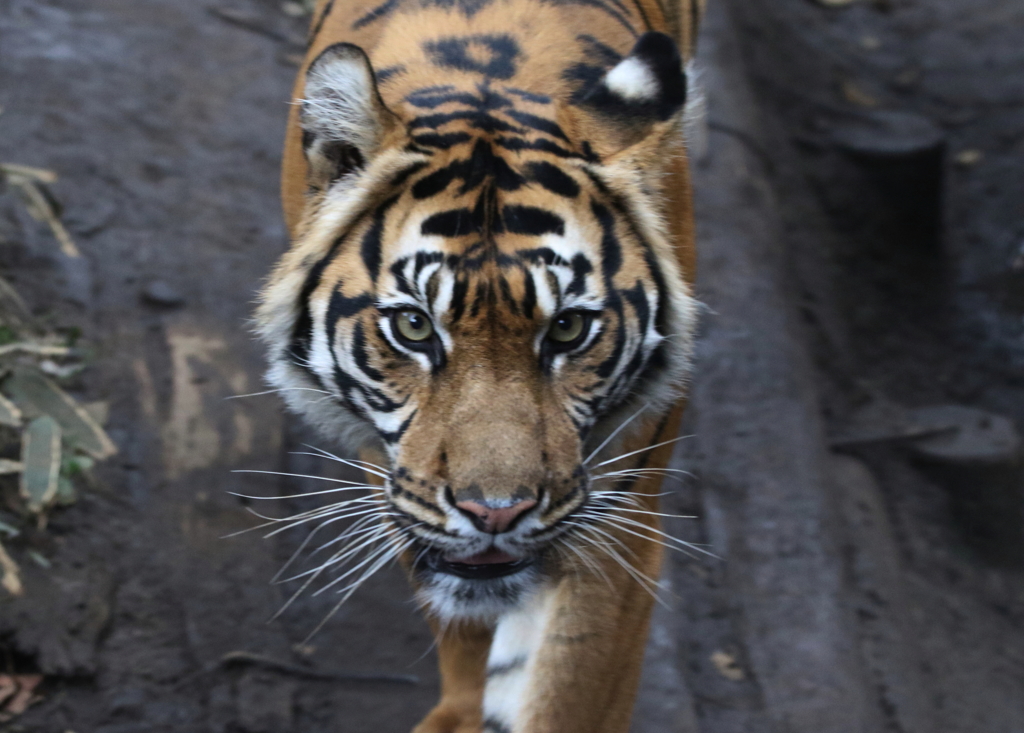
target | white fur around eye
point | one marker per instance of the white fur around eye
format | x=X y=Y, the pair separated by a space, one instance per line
x=422 y=359
x=632 y=80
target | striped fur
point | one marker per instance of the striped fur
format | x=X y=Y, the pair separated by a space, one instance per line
x=493 y=167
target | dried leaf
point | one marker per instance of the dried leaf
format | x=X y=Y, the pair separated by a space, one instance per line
x=40 y=452
x=294 y=9
x=35 y=394
x=9 y=413
x=11 y=579
x=7 y=687
x=25 y=697
x=17 y=173
x=16 y=314
x=969 y=157
x=40 y=208
x=98 y=411
x=727 y=666
x=9 y=466
x=40 y=559
x=855 y=95
x=60 y=371
x=34 y=347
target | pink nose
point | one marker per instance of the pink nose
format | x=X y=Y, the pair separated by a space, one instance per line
x=494 y=520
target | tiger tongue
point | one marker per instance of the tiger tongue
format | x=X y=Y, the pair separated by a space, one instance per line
x=492 y=556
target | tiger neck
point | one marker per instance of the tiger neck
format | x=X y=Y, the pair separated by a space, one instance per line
x=512 y=665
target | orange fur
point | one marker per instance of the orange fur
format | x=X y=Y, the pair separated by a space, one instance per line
x=488 y=424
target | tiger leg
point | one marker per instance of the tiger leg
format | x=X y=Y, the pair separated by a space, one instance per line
x=462 y=652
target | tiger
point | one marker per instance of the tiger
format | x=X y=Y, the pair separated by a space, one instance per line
x=489 y=293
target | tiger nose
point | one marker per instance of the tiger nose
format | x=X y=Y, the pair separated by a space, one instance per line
x=494 y=519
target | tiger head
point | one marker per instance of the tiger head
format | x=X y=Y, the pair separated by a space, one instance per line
x=482 y=285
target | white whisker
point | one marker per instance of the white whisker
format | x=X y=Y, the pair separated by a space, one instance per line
x=371 y=557
x=621 y=523
x=342 y=555
x=303 y=475
x=346 y=515
x=276 y=391
x=646 y=583
x=641 y=450
x=655 y=514
x=397 y=551
x=615 y=432
x=588 y=562
x=364 y=465
x=309 y=538
x=301 y=496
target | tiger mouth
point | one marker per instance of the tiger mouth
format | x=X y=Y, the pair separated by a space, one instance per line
x=484 y=566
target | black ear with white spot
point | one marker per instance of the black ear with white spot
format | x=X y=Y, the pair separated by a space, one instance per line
x=344 y=120
x=646 y=87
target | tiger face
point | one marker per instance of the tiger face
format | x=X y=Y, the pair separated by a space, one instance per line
x=482 y=287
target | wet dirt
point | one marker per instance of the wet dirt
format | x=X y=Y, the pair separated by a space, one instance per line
x=894 y=316
x=165 y=120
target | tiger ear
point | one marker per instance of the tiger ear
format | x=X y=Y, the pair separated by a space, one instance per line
x=344 y=120
x=646 y=88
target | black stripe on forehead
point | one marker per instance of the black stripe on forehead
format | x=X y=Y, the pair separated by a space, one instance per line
x=476 y=120
x=442 y=141
x=506 y=295
x=530 y=294
x=540 y=124
x=580 y=265
x=542 y=254
x=611 y=249
x=492 y=55
x=388 y=72
x=553 y=178
x=342 y=306
x=378 y=12
x=453 y=223
x=459 y=291
x=481 y=165
x=531 y=220
x=371 y=245
x=433 y=97
x=420 y=260
x=319 y=24
x=403 y=175
x=529 y=96
x=516 y=144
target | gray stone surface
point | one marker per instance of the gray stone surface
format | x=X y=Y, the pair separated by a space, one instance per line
x=760 y=437
x=886 y=613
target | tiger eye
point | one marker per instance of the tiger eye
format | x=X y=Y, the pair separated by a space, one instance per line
x=567 y=327
x=413 y=325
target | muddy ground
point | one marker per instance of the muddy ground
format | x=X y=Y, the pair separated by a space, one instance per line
x=164 y=120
